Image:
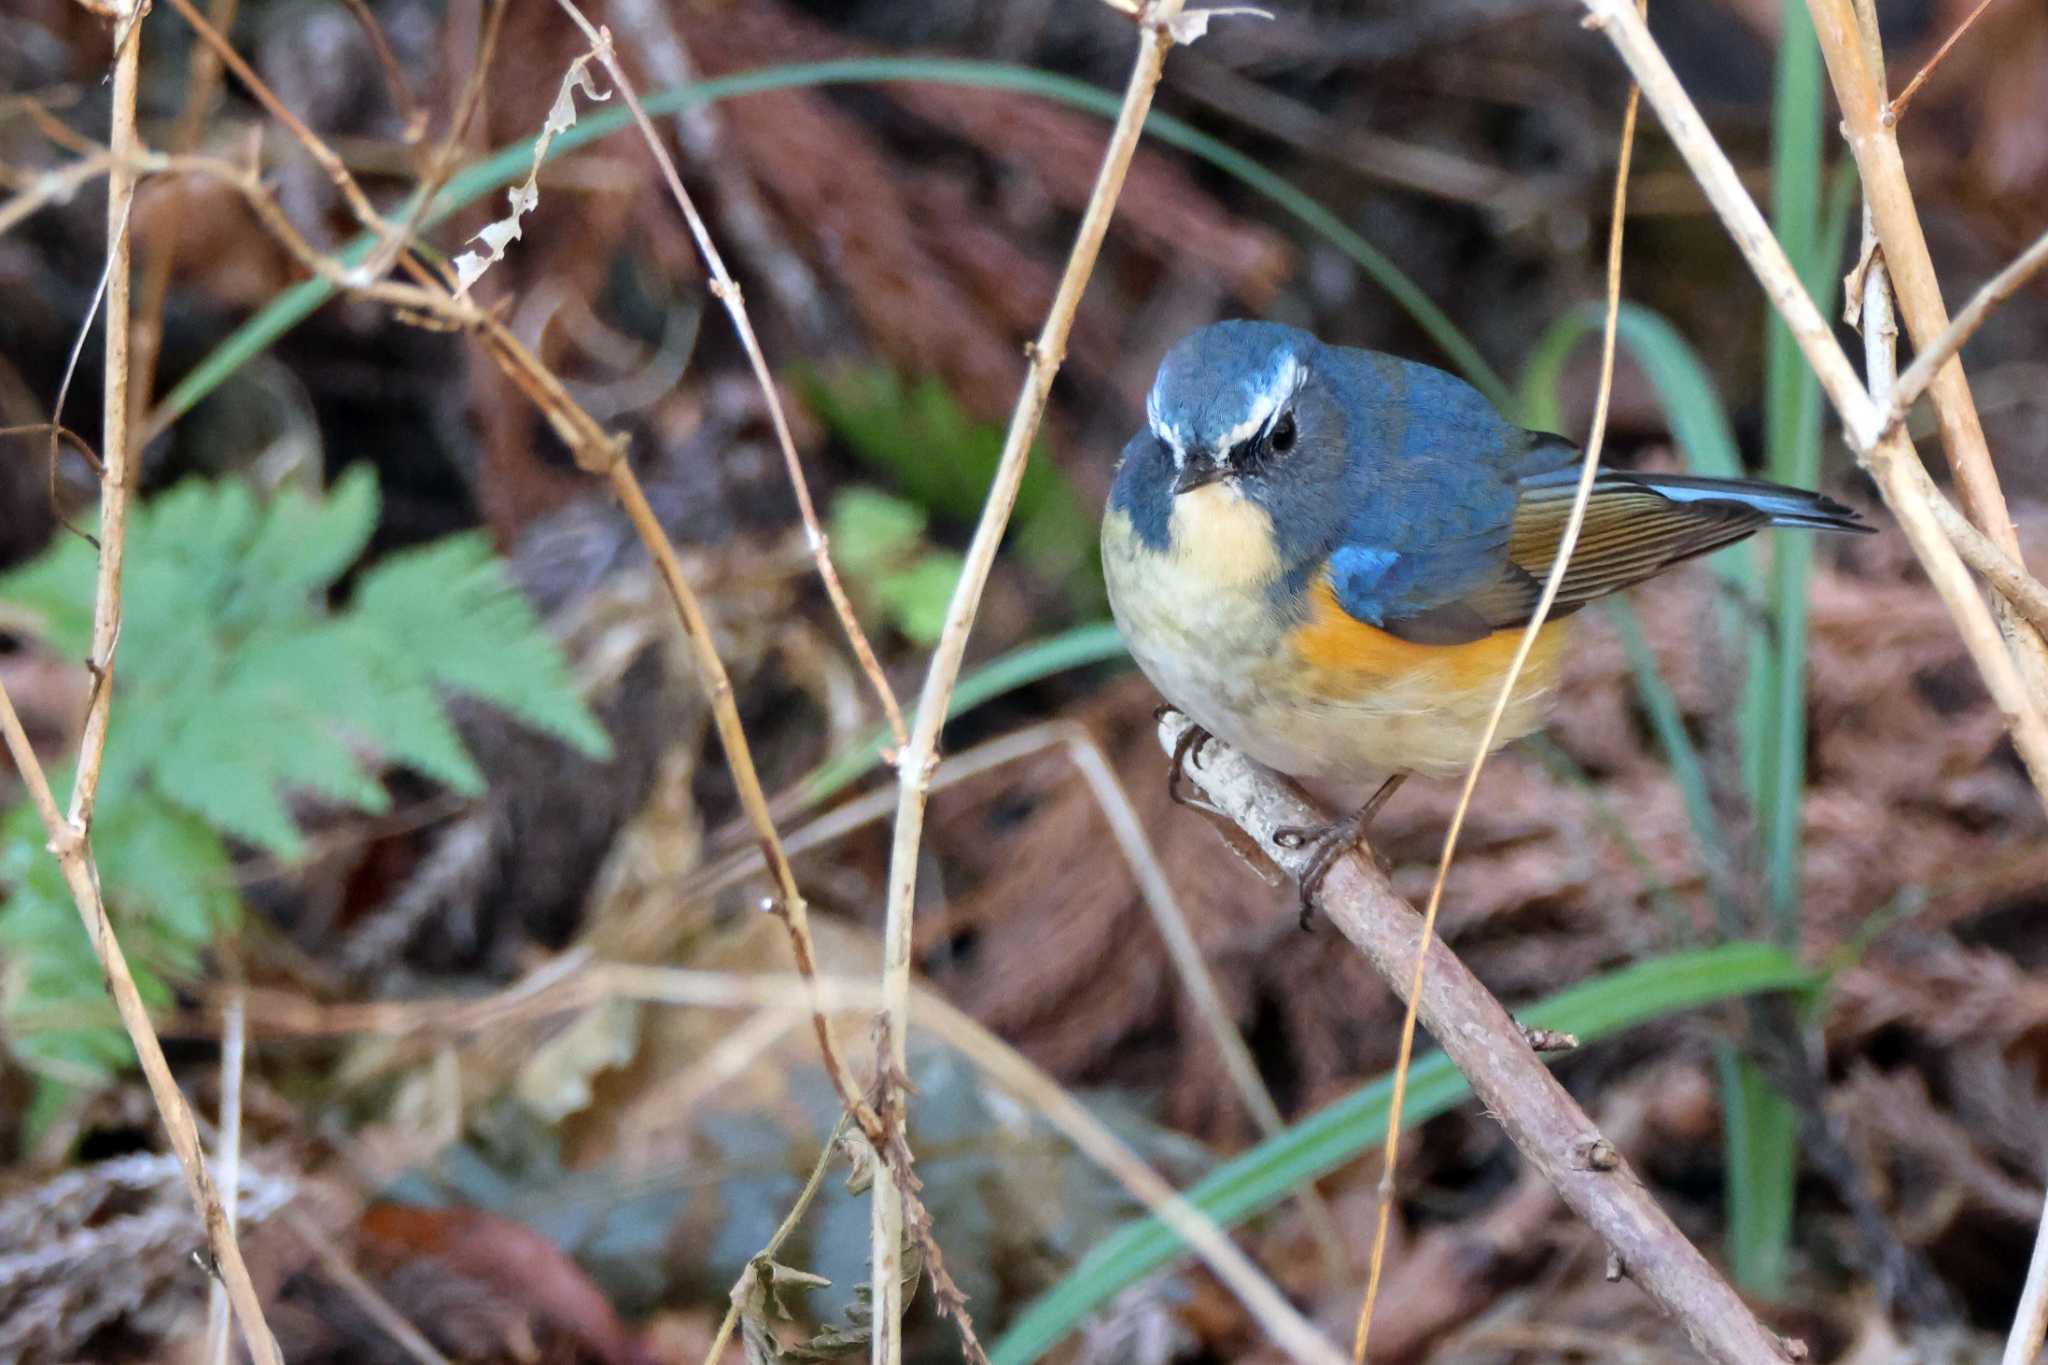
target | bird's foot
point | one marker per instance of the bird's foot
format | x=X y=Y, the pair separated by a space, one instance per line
x=1187 y=748
x=1331 y=842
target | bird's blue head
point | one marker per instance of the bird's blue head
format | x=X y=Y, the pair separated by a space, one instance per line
x=1246 y=441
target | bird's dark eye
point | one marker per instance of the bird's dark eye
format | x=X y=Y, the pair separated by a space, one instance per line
x=1282 y=438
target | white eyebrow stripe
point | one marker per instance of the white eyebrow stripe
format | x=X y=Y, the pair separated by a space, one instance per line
x=1280 y=386
x=1168 y=435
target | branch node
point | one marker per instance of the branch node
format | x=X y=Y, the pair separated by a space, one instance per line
x=1549 y=1039
x=1595 y=1153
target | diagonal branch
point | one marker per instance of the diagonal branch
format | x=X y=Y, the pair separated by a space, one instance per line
x=1545 y=1123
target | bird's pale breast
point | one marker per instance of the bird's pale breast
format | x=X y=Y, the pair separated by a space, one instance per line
x=1313 y=692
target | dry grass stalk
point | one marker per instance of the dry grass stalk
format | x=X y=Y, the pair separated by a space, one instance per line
x=1487 y=1045
x=569 y=985
x=70 y=834
x=595 y=450
x=1855 y=66
x=1935 y=356
x=1880 y=366
x=1883 y=451
x=728 y=292
x=1588 y=467
x=228 y=1145
x=920 y=757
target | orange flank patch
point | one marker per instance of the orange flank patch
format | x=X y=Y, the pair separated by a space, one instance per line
x=1356 y=657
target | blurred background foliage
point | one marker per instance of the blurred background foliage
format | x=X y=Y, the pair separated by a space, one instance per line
x=402 y=714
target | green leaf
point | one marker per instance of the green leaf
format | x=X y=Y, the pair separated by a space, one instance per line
x=450 y=613
x=921 y=437
x=917 y=597
x=237 y=688
x=1321 y=1143
x=306 y=545
x=872 y=531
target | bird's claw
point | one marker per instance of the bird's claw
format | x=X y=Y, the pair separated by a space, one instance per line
x=1329 y=843
x=1187 y=748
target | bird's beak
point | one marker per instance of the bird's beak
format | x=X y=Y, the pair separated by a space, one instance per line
x=1196 y=473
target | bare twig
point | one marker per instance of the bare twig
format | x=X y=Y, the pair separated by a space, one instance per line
x=227 y=1145
x=1938 y=352
x=374 y=1305
x=2030 y=1320
x=728 y=291
x=1172 y=922
x=54 y=187
x=409 y=111
x=1588 y=467
x=1883 y=452
x=324 y=156
x=70 y=833
x=1898 y=105
x=749 y=1282
x=593 y=983
x=914 y=767
x=202 y=83
x=790 y=904
x=2027 y=594
x=1487 y=1046
x=1856 y=68
x=74 y=856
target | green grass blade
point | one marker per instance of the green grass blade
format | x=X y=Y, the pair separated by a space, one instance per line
x=1699 y=423
x=1761 y=1127
x=1317 y=1145
x=1762 y=1168
x=510 y=165
x=1095 y=643
x=1710 y=842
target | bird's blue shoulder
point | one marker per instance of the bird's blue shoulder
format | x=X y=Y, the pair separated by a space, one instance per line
x=1431 y=491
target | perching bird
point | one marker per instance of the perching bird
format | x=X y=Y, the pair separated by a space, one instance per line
x=1325 y=556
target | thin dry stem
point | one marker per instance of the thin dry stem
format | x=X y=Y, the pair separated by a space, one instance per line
x=324 y=156
x=739 y=758
x=728 y=291
x=54 y=187
x=1882 y=452
x=1485 y=1043
x=227 y=1144
x=202 y=83
x=591 y=983
x=2030 y=1320
x=74 y=856
x=744 y=1288
x=1157 y=893
x=1856 y=68
x=1937 y=354
x=374 y=1305
x=1905 y=97
x=919 y=757
x=409 y=110
x=70 y=835
x=1588 y=468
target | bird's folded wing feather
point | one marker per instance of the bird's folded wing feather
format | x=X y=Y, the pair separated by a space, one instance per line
x=1631 y=532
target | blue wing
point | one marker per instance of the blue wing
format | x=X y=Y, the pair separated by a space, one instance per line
x=1435 y=477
